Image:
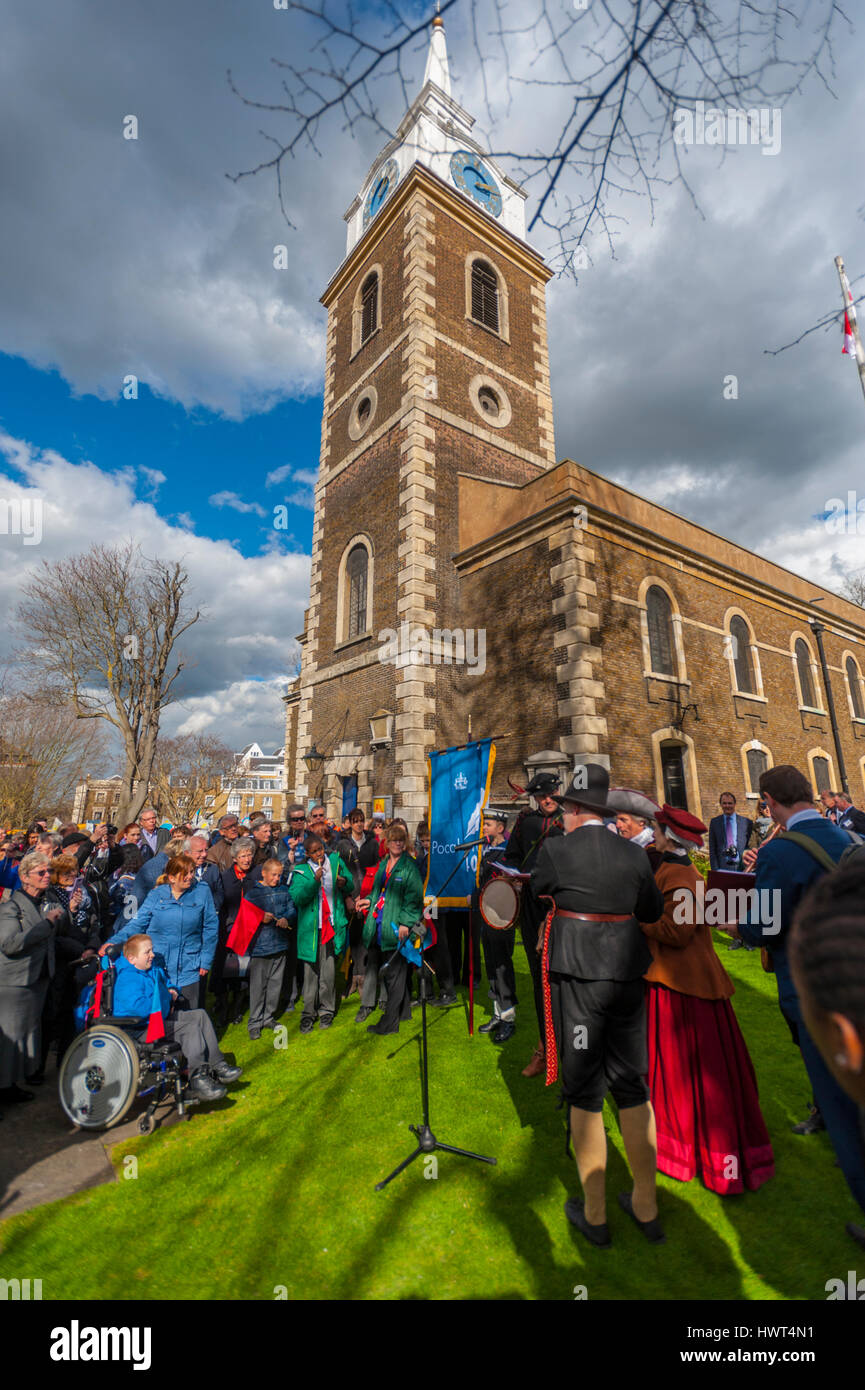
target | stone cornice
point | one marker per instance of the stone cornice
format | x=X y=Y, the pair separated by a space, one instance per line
x=440 y=195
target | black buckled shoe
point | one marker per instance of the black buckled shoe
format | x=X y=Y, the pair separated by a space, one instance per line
x=812 y=1125
x=597 y=1235
x=652 y=1230
x=224 y=1071
x=504 y=1031
x=14 y=1095
x=491 y=1025
x=204 y=1085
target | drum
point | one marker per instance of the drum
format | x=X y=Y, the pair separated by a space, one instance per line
x=500 y=902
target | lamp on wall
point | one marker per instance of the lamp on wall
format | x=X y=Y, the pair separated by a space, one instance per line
x=381 y=729
x=313 y=759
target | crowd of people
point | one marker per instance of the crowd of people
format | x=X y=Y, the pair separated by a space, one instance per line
x=631 y=997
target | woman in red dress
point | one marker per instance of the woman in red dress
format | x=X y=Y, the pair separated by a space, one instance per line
x=701 y=1077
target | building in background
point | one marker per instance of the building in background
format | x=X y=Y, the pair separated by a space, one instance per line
x=257 y=786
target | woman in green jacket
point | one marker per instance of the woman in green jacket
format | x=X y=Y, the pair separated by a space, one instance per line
x=395 y=905
x=319 y=889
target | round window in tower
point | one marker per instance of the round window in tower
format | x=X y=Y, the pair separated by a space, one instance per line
x=362 y=412
x=490 y=401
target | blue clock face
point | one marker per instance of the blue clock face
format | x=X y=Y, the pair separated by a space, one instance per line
x=383 y=185
x=473 y=178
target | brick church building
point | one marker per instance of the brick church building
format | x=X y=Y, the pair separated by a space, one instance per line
x=465 y=582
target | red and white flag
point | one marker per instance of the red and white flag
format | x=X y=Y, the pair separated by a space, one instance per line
x=849 y=344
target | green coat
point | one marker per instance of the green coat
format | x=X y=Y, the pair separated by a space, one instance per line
x=403 y=901
x=305 y=890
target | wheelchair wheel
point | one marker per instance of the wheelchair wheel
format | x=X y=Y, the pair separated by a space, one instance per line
x=99 y=1077
x=147 y=1124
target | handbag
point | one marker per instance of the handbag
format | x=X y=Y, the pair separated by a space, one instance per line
x=235 y=967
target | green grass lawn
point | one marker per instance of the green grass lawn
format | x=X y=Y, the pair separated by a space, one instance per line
x=274 y=1186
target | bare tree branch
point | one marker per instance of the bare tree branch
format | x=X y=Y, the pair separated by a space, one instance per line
x=613 y=76
x=100 y=629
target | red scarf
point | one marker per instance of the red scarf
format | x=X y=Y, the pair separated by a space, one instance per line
x=327 y=932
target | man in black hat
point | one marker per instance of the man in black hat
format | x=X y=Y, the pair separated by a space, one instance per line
x=596 y=956
x=531 y=829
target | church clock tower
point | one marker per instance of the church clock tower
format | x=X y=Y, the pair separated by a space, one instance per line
x=436 y=367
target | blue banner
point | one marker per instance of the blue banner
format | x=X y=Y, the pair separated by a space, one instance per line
x=459 y=785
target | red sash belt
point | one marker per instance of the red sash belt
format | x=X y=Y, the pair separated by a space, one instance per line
x=593 y=916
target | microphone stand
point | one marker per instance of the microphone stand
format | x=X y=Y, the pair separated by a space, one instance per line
x=427 y=1142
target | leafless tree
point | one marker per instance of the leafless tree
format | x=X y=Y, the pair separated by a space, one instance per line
x=100 y=629
x=43 y=749
x=853 y=587
x=607 y=77
x=186 y=771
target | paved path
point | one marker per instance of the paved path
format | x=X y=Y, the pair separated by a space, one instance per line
x=43 y=1157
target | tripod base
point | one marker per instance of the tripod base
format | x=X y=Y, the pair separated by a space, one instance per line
x=427 y=1144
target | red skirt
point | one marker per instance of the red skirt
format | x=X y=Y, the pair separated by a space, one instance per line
x=704 y=1094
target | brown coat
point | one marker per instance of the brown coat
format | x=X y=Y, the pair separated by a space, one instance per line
x=220 y=854
x=684 y=953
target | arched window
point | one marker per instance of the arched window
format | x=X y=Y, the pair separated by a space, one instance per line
x=758 y=762
x=803 y=667
x=368 y=307
x=855 y=687
x=485 y=295
x=356 y=576
x=743 y=663
x=659 y=614
x=673 y=757
x=822 y=776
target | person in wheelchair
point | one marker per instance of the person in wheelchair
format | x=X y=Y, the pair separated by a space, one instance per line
x=141 y=989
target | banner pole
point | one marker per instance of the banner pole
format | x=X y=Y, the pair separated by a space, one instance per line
x=471 y=975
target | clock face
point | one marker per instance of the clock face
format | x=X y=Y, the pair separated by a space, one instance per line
x=472 y=177
x=384 y=183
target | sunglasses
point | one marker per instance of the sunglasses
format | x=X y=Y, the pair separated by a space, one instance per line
x=39 y=873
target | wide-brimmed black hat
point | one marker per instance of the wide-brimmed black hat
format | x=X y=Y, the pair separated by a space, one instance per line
x=543 y=784
x=589 y=788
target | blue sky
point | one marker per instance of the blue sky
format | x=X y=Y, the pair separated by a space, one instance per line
x=201 y=454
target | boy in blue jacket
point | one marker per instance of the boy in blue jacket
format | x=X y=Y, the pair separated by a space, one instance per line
x=141 y=989
x=273 y=943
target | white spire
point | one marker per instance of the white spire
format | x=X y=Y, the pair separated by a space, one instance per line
x=437 y=60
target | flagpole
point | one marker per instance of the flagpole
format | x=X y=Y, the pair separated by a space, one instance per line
x=850 y=311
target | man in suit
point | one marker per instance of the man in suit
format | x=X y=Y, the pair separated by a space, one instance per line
x=809 y=846
x=729 y=834
x=595 y=957
x=847 y=816
x=829 y=800
x=153 y=837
